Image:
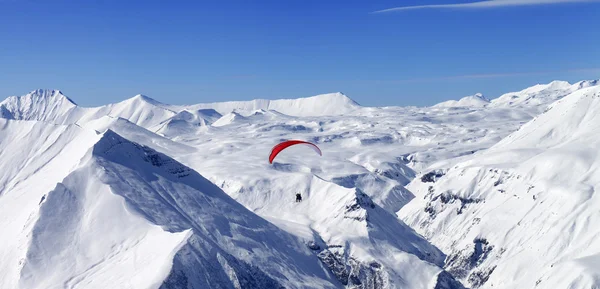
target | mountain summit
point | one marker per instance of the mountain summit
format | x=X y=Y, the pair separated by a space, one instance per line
x=40 y=104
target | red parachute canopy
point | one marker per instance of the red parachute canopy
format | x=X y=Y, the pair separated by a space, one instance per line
x=278 y=148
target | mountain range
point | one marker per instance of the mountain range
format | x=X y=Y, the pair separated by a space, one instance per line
x=474 y=193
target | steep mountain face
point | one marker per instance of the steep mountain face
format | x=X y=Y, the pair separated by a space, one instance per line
x=34 y=156
x=521 y=214
x=247 y=248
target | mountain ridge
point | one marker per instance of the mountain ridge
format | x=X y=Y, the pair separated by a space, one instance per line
x=318 y=105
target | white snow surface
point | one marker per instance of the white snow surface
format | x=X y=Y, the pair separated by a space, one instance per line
x=141 y=194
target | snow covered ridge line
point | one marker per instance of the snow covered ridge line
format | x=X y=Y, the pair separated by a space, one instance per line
x=52 y=105
x=53 y=101
x=538 y=94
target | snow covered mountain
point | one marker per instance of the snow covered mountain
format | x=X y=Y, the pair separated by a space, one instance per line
x=319 y=105
x=142 y=194
x=477 y=100
x=52 y=106
x=521 y=214
x=137 y=218
x=37 y=105
x=541 y=93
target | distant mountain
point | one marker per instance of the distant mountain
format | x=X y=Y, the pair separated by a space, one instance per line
x=37 y=105
x=320 y=105
x=477 y=100
x=186 y=122
x=52 y=106
x=540 y=93
x=537 y=95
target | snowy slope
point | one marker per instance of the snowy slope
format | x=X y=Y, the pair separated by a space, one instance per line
x=521 y=214
x=35 y=157
x=477 y=100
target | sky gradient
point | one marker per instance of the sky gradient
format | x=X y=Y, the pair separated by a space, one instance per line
x=99 y=52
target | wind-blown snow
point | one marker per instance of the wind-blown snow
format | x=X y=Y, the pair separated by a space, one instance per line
x=141 y=194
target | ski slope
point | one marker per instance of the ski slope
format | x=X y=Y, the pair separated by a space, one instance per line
x=142 y=194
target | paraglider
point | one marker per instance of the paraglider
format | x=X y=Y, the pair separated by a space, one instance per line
x=281 y=146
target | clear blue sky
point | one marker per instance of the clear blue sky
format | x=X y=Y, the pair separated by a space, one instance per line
x=185 y=52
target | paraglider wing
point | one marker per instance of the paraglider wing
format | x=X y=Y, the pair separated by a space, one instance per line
x=278 y=148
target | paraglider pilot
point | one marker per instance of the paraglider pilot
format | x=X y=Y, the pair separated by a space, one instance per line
x=298 y=198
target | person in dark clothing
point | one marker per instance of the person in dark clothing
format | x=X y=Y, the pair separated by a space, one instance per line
x=298 y=198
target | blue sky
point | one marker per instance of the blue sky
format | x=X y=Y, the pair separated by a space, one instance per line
x=185 y=52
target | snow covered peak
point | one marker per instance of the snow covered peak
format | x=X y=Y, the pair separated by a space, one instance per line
x=476 y=100
x=47 y=93
x=228 y=119
x=41 y=95
x=40 y=104
x=554 y=85
x=336 y=97
x=186 y=122
x=141 y=98
x=480 y=96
